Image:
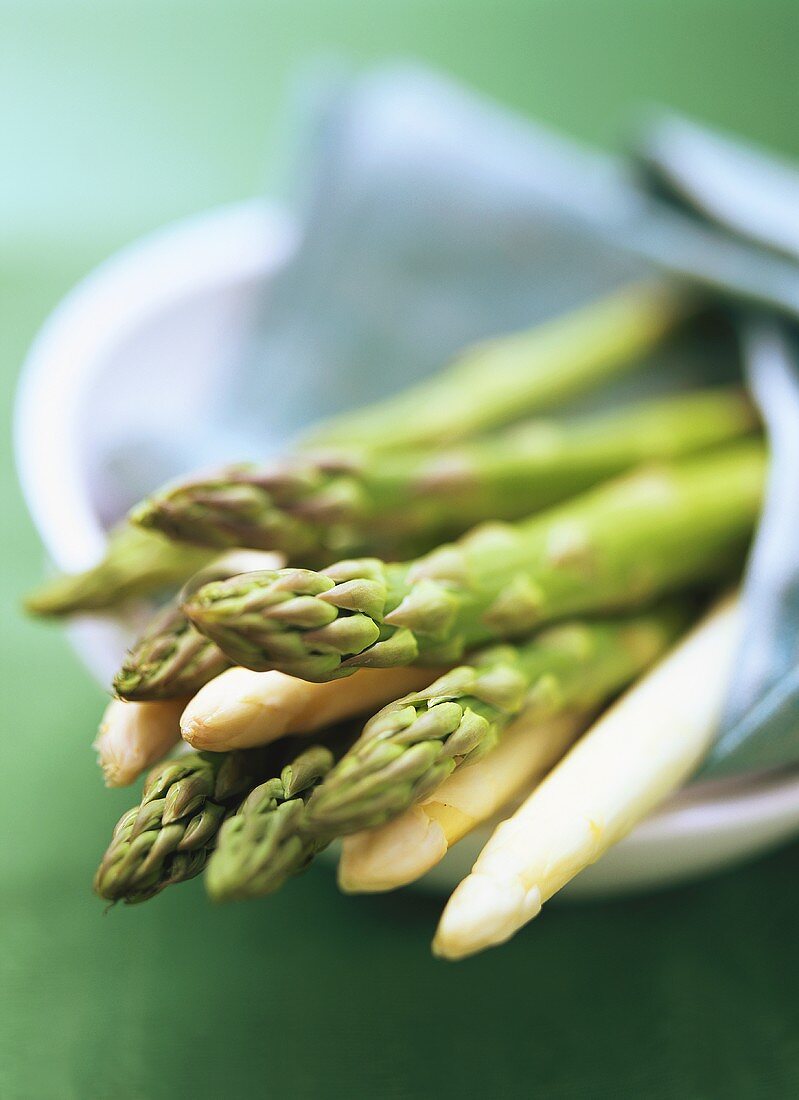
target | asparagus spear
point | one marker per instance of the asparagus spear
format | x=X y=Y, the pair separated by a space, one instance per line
x=356 y=502
x=241 y=708
x=404 y=849
x=411 y=746
x=167 y=838
x=638 y=752
x=266 y=841
x=615 y=547
x=504 y=379
x=172 y=658
x=493 y=383
x=134 y=736
x=136 y=563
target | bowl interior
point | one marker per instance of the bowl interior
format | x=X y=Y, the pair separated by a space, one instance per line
x=123 y=381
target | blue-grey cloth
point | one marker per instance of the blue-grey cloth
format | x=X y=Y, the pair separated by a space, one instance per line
x=432 y=218
x=756 y=197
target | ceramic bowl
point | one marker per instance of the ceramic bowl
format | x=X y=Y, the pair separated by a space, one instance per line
x=190 y=294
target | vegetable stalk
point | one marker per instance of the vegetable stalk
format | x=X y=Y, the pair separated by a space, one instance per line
x=136 y=563
x=615 y=547
x=168 y=837
x=241 y=708
x=266 y=841
x=509 y=377
x=354 y=502
x=172 y=658
x=134 y=736
x=411 y=746
x=637 y=753
x=402 y=850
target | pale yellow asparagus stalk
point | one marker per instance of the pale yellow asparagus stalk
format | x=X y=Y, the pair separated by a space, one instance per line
x=240 y=709
x=640 y=751
x=406 y=848
x=134 y=736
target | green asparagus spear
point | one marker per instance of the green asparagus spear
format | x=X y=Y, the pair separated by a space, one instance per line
x=412 y=745
x=615 y=547
x=136 y=563
x=354 y=503
x=267 y=841
x=168 y=837
x=172 y=658
x=507 y=378
x=496 y=382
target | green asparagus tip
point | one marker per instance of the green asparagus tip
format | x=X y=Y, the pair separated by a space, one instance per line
x=169 y=836
x=136 y=563
x=408 y=749
x=297 y=620
x=267 y=841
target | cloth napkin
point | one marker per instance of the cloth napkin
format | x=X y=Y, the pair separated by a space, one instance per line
x=756 y=197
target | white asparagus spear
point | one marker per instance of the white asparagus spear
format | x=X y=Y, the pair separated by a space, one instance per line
x=132 y=736
x=642 y=748
x=240 y=708
x=404 y=849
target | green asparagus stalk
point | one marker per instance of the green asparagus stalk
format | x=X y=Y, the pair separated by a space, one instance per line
x=491 y=384
x=172 y=658
x=615 y=547
x=136 y=563
x=504 y=379
x=354 y=502
x=168 y=837
x=411 y=746
x=266 y=841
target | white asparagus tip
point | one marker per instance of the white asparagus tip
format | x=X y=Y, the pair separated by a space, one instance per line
x=240 y=708
x=133 y=736
x=482 y=913
x=118 y=759
x=194 y=731
x=376 y=860
x=113 y=768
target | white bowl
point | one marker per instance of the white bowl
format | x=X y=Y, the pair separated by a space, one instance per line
x=191 y=293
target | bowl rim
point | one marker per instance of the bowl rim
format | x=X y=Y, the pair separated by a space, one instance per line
x=229 y=243
x=238 y=241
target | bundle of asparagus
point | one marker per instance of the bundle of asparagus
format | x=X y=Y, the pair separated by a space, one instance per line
x=433 y=682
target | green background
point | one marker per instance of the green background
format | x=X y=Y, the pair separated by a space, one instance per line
x=118 y=115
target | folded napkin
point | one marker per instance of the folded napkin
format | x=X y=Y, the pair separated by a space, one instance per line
x=755 y=197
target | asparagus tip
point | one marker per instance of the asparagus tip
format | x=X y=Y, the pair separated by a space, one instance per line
x=483 y=913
